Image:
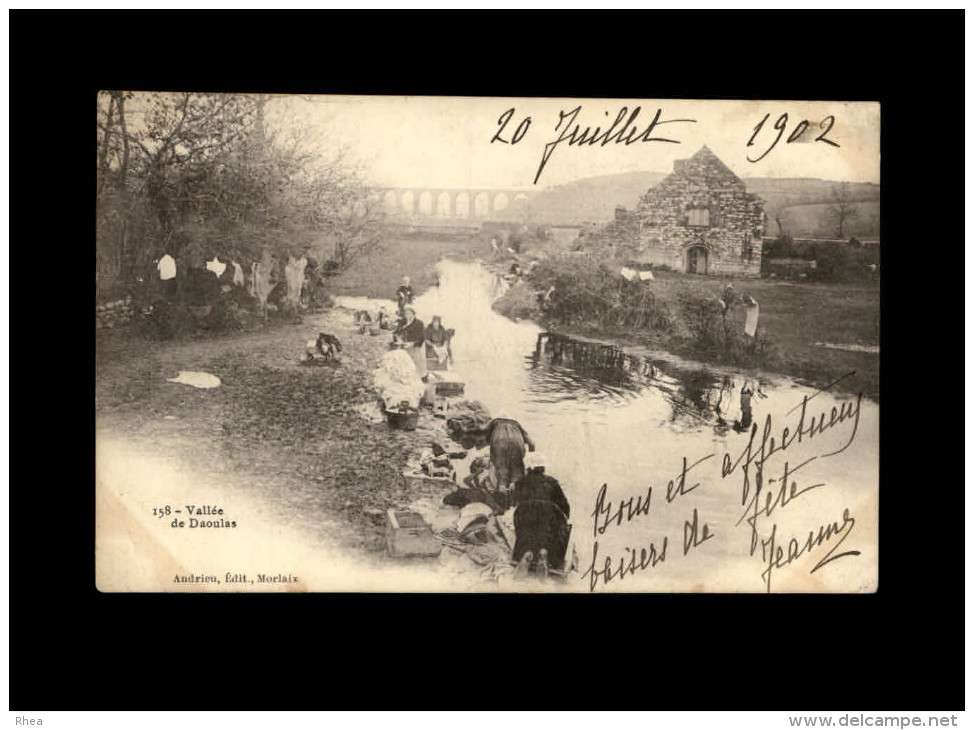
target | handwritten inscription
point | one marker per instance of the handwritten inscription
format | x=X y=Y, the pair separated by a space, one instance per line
x=766 y=487
x=648 y=557
x=805 y=429
x=606 y=516
x=776 y=556
x=800 y=133
x=695 y=535
x=623 y=129
x=627 y=134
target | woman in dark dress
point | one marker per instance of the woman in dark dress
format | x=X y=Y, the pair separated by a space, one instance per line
x=540 y=520
x=412 y=335
x=438 y=343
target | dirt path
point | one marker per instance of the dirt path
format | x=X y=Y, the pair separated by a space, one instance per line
x=286 y=435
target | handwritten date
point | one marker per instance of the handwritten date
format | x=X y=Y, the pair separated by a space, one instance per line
x=796 y=134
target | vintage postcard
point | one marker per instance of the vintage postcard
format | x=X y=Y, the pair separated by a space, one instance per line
x=472 y=344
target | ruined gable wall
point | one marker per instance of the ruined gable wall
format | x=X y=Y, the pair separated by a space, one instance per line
x=658 y=229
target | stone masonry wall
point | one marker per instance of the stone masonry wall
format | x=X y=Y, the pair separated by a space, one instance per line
x=660 y=228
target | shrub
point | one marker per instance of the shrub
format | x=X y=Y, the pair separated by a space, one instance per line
x=835 y=262
x=718 y=334
x=701 y=318
x=589 y=291
x=519 y=302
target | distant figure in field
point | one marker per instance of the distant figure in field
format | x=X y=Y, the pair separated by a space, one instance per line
x=728 y=299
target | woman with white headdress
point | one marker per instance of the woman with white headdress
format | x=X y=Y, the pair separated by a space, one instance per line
x=540 y=520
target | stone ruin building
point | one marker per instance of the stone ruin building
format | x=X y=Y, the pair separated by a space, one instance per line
x=699 y=219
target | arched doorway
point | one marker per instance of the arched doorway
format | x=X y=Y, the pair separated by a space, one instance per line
x=697 y=260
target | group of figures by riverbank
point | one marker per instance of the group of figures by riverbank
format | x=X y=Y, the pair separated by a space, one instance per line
x=513 y=517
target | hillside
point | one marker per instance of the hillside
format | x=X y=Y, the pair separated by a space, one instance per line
x=802 y=203
x=590 y=199
x=812 y=221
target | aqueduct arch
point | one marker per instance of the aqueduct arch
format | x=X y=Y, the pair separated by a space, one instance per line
x=460 y=203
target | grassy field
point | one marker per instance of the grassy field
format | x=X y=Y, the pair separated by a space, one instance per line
x=812 y=221
x=796 y=320
x=381 y=274
x=799 y=316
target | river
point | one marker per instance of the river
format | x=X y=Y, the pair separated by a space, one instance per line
x=630 y=428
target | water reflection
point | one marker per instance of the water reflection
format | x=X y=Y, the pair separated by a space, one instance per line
x=568 y=370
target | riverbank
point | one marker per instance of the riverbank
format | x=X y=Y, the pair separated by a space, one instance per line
x=815 y=333
x=309 y=442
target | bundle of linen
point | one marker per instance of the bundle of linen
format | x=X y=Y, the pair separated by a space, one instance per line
x=396 y=380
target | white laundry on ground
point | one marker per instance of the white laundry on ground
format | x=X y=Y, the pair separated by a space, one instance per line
x=196 y=379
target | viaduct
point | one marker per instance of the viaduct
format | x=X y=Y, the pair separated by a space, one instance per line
x=468 y=203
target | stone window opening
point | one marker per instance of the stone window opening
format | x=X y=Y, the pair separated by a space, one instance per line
x=698 y=217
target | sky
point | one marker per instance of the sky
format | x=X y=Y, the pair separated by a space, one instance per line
x=447 y=141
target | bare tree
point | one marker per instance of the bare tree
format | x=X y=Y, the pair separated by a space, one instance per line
x=200 y=174
x=843 y=208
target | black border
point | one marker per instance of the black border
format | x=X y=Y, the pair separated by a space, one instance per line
x=72 y=648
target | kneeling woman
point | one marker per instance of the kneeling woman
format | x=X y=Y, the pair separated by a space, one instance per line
x=540 y=520
x=438 y=351
x=411 y=335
